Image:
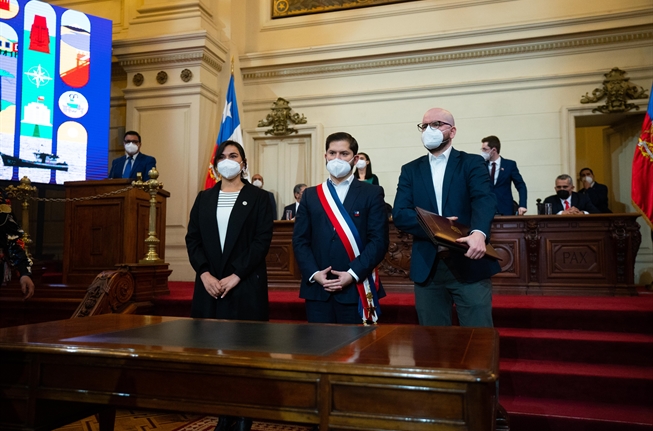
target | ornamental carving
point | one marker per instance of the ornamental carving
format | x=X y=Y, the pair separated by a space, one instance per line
x=280 y=117
x=397 y=259
x=108 y=293
x=186 y=75
x=138 y=79
x=617 y=91
x=162 y=77
x=532 y=238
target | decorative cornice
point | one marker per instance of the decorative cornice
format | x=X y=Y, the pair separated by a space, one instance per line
x=158 y=51
x=637 y=73
x=535 y=46
x=191 y=57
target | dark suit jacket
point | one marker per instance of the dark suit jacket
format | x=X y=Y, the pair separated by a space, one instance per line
x=598 y=195
x=249 y=234
x=291 y=207
x=143 y=164
x=582 y=202
x=317 y=245
x=273 y=202
x=466 y=194
x=508 y=173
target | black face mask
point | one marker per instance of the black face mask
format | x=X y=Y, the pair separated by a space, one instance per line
x=563 y=194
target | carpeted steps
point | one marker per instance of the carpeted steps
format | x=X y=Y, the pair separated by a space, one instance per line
x=576 y=363
x=577 y=346
x=534 y=414
x=567 y=363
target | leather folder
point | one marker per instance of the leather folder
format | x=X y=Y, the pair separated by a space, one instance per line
x=444 y=232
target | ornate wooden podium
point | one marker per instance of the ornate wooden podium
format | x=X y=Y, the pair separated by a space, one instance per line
x=109 y=230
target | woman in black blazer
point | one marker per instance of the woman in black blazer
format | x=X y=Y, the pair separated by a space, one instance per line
x=229 y=234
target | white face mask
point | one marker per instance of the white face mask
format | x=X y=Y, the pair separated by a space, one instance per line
x=588 y=179
x=433 y=139
x=485 y=155
x=360 y=164
x=338 y=168
x=131 y=148
x=229 y=169
x=258 y=183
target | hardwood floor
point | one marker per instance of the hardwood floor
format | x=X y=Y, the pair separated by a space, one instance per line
x=133 y=420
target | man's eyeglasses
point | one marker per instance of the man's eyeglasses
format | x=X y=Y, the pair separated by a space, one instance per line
x=434 y=125
x=131 y=142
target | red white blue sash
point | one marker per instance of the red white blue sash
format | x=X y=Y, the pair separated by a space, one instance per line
x=368 y=304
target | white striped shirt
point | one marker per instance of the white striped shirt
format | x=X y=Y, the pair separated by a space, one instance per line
x=226 y=202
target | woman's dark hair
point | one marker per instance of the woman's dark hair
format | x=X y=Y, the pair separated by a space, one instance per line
x=220 y=150
x=368 y=170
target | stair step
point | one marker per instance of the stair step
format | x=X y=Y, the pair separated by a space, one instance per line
x=604 y=383
x=576 y=346
x=542 y=414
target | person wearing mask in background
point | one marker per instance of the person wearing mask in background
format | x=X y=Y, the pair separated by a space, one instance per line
x=228 y=238
x=133 y=161
x=598 y=193
x=567 y=201
x=503 y=172
x=340 y=237
x=257 y=181
x=364 y=169
x=456 y=185
x=12 y=249
x=290 y=211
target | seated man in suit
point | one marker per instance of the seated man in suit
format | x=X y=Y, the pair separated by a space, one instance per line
x=567 y=201
x=291 y=209
x=257 y=181
x=502 y=173
x=133 y=161
x=598 y=193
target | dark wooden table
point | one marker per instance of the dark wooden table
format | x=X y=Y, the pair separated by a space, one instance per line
x=340 y=377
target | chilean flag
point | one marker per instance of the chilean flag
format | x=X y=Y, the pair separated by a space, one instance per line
x=229 y=130
x=642 y=182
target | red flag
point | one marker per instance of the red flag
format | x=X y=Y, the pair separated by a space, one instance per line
x=642 y=182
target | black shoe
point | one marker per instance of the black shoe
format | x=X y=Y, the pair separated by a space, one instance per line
x=243 y=424
x=225 y=423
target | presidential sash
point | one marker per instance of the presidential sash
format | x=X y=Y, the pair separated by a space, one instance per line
x=368 y=303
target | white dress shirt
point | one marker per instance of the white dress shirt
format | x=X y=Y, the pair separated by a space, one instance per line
x=438 y=167
x=342 y=188
x=496 y=171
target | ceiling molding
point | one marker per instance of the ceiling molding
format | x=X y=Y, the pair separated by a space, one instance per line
x=174 y=59
x=180 y=49
x=589 y=78
x=401 y=44
x=584 y=42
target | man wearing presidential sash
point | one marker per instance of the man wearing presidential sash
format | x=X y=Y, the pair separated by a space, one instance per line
x=339 y=238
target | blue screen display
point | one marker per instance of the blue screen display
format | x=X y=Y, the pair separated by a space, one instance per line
x=55 y=79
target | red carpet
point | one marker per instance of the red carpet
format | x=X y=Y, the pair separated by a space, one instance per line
x=567 y=363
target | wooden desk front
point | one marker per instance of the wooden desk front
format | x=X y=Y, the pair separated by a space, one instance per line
x=586 y=254
x=393 y=378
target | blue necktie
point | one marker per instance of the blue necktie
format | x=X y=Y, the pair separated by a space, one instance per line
x=128 y=168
